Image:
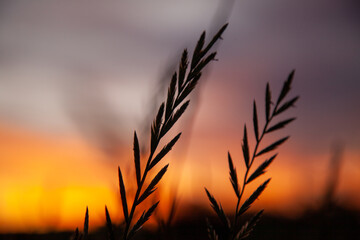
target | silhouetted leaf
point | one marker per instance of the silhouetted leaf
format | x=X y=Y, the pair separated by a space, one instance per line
x=286 y=87
x=197 y=51
x=233 y=176
x=182 y=69
x=143 y=218
x=123 y=195
x=179 y=112
x=218 y=209
x=189 y=86
x=267 y=102
x=174 y=118
x=245 y=148
x=272 y=146
x=153 y=138
x=280 y=125
x=255 y=122
x=246 y=205
x=137 y=159
x=216 y=37
x=155 y=127
x=286 y=105
x=151 y=188
x=159 y=118
x=164 y=151
x=109 y=225
x=202 y=64
x=170 y=97
x=261 y=169
x=86 y=223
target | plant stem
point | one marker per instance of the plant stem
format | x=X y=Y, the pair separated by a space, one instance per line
x=251 y=162
x=137 y=195
x=138 y=191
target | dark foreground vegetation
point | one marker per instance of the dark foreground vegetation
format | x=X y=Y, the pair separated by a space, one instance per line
x=332 y=223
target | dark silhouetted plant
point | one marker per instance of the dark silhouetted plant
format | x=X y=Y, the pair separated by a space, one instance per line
x=233 y=229
x=182 y=83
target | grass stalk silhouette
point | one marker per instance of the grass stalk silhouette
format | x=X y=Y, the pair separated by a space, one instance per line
x=233 y=229
x=169 y=112
x=182 y=83
x=84 y=235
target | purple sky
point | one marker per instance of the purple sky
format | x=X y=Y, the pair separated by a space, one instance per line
x=46 y=47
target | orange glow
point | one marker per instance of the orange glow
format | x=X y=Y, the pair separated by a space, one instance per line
x=46 y=183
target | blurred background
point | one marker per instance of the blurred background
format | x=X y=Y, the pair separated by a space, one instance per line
x=77 y=78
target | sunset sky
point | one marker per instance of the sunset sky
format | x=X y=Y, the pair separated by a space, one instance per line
x=78 y=78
